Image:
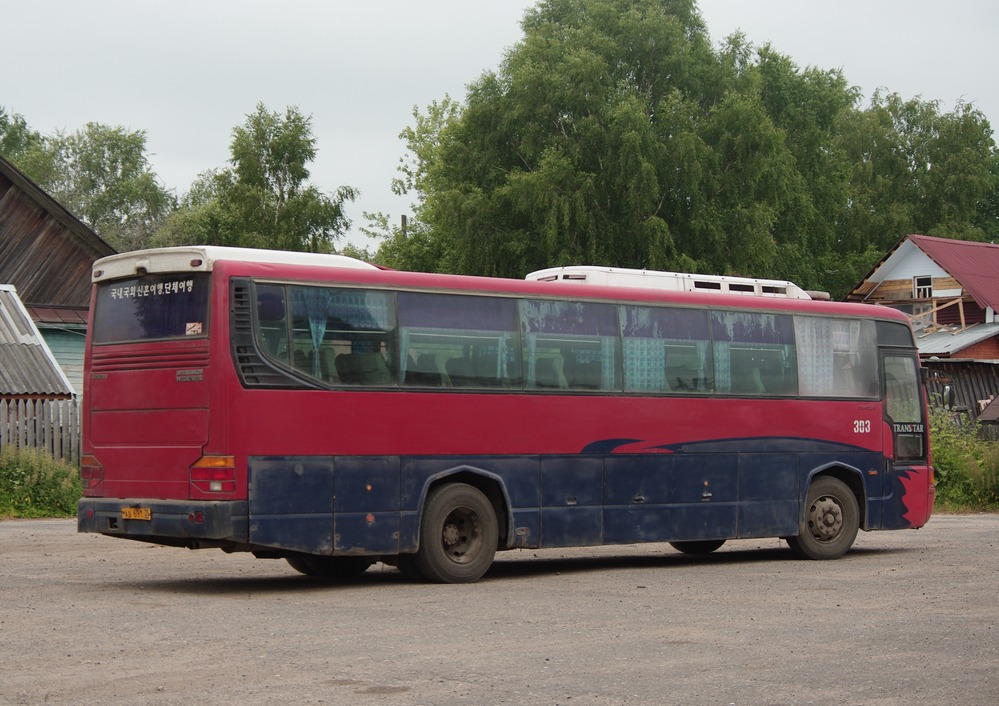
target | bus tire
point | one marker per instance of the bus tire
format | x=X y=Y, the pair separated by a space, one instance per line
x=458 y=535
x=329 y=567
x=406 y=564
x=830 y=522
x=705 y=546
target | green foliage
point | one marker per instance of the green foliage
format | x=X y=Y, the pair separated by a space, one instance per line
x=264 y=199
x=26 y=149
x=966 y=465
x=33 y=484
x=411 y=248
x=17 y=140
x=614 y=134
x=100 y=174
x=915 y=170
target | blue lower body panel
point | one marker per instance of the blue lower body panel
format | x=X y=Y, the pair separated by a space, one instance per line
x=371 y=505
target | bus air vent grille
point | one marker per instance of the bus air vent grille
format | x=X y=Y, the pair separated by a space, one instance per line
x=253 y=370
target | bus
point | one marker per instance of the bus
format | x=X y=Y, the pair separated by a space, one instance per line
x=322 y=410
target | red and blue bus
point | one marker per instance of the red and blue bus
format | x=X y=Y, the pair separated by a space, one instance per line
x=325 y=411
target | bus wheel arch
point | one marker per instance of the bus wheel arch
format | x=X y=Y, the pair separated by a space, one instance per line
x=459 y=533
x=830 y=518
x=852 y=478
x=486 y=483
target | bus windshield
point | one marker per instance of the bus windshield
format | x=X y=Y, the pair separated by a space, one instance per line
x=151 y=307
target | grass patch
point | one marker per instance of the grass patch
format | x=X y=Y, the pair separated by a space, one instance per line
x=33 y=484
x=966 y=465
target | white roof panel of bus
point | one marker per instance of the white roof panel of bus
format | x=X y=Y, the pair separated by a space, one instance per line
x=201 y=258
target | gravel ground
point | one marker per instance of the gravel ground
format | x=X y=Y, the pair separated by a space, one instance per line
x=905 y=618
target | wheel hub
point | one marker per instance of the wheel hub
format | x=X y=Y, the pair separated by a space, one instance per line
x=451 y=535
x=461 y=535
x=826 y=518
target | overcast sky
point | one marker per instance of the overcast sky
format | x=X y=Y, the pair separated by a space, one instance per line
x=188 y=71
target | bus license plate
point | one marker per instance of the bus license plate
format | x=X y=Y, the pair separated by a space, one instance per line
x=136 y=513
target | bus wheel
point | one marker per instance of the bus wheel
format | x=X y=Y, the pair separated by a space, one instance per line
x=458 y=535
x=830 y=523
x=699 y=547
x=329 y=567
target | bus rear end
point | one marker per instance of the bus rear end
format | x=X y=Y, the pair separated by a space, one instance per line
x=147 y=397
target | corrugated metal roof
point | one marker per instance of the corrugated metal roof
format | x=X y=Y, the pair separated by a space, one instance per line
x=27 y=366
x=947 y=343
x=974 y=265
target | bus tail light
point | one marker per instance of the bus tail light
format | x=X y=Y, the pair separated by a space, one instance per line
x=214 y=474
x=91 y=474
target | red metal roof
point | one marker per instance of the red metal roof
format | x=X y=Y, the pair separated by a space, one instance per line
x=59 y=316
x=974 y=265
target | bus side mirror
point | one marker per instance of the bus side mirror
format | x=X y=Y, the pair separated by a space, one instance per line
x=949 y=397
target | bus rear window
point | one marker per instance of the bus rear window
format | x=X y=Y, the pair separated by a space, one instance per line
x=151 y=307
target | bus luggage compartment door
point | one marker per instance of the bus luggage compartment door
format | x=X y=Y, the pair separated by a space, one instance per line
x=325 y=505
x=291 y=503
x=366 y=505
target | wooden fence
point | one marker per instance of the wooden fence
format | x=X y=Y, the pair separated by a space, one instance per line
x=52 y=425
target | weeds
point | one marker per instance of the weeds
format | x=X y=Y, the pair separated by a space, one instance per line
x=966 y=466
x=33 y=484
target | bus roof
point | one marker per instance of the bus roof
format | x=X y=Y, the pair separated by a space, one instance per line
x=202 y=258
x=346 y=270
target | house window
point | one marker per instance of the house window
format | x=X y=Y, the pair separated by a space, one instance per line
x=922 y=287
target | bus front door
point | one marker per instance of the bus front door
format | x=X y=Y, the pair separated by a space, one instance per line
x=908 y=482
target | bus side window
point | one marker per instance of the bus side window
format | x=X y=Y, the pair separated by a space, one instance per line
x=902 y=399
x=342 y=336
x=836 y=357
x=666 y=350
x=458 y=341
x=272 y=325
x=570 y=345
x=754 y=353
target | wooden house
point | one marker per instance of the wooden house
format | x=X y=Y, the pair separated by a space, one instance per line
x=950 y=290
x=46 y=253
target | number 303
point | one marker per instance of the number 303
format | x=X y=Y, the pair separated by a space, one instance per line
x=861 y=426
